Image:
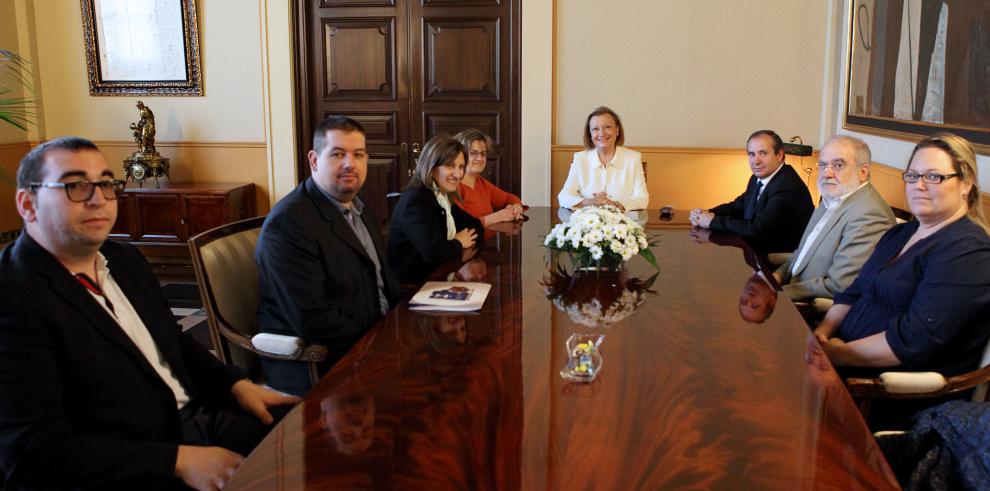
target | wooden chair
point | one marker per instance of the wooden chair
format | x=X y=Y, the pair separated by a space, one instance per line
x=920 y=385
x=223 y=259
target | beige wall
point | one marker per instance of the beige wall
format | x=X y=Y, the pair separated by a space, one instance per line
x=219 y=137
x=691 y=74
x=688 y=177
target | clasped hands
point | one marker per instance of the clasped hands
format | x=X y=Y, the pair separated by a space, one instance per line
x=511 y=213
x=701 y=218
x=601 y=199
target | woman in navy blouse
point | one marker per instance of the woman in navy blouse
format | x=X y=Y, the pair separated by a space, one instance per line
x=922 y=300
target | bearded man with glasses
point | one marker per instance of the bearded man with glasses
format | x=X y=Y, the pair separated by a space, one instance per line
x=99 y=387
x=844 y=228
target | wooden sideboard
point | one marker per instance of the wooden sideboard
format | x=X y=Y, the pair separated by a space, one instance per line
x=160 y=220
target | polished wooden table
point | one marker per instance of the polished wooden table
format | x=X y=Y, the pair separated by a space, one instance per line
x=691 y=394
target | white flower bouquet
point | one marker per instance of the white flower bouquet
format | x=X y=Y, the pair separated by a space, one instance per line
x=600 y=235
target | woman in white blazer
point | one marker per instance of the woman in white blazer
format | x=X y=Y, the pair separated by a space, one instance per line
x=605 y=173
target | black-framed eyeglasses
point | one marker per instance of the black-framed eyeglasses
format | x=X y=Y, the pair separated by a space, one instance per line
x=836 y=165
x=928 y=177
x=80 y=191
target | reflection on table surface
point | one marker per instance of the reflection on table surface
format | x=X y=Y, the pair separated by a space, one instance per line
x=691 y=394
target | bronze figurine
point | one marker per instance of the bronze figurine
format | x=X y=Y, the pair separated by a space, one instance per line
x=146 y=161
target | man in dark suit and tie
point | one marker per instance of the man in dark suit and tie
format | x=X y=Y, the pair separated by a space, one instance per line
x=99 y=387
x=772 y=213
x=323 y=274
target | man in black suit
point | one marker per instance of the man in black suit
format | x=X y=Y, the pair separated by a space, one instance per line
x=99 y=388
x=772 y=213
x=323 y=274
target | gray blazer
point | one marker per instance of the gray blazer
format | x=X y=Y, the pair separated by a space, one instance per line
x=841 y=248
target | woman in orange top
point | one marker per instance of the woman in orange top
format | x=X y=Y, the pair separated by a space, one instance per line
x=477 y=195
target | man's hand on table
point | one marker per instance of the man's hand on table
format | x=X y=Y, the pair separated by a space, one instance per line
x=256 y=399
x=700 y=235
x=206 y=468
x=701 y=218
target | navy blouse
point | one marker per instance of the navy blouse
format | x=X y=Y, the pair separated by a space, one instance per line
x=933 y=302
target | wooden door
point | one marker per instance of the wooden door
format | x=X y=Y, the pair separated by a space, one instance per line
x=409 y=70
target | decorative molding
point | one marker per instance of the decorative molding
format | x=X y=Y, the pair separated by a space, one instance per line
x=180 y=143
x=653 y=149
x=553 y=74
x=11 y=146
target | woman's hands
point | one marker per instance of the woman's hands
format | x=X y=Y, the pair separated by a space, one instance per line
x=510 y=213
x=467 y=237
x=600 y=199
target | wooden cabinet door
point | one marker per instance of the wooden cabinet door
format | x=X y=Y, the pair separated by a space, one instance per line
x=157 y=218
x=123 y=228
x=201 y=213
x=408 y=70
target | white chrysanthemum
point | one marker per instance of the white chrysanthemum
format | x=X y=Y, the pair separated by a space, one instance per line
x=596 y=252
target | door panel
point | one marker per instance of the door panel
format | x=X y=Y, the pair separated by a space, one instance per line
x=461 y=59
x=409 y=70
x=358 y=59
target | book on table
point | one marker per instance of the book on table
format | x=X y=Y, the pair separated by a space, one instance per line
x=454 y=296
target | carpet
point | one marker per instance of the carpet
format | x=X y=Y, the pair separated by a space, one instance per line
x=187 y=309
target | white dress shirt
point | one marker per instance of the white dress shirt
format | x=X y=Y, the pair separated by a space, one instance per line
x=444 y=202
x=622 y=178
x=132 y=325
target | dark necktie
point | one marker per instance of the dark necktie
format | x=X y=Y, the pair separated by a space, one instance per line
x=92 y=286
x=751 y=204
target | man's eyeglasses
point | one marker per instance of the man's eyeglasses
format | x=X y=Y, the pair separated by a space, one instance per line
x=928 y=177
x=80 y=191
x=836 y=165
x=474 y=154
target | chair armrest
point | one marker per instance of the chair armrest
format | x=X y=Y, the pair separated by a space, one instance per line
x=912 y=382
x=916 y=385
x=307 y=352
x=899 y=385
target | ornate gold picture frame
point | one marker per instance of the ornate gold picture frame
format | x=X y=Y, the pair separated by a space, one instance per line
x=918 y=67
x=142 y=47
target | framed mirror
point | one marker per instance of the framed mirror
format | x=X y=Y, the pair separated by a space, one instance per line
x=142 y=47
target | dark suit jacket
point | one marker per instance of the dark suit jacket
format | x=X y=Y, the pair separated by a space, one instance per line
x=782 y=212
x=417 y=242
x=316 y=280
x=80 y=405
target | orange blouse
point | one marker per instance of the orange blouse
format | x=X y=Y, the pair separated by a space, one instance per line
x=485 y=198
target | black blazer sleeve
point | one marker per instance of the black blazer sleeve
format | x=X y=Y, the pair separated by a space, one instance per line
x=313 y=284
x=782 y=212
x=734 y=208
x=418 y=242
x=78 y=408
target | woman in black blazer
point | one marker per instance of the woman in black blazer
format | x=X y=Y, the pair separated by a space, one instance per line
x=427 y=229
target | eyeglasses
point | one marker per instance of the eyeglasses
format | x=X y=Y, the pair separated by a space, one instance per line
x=836 y=165
x=928 y=177
x=477 y=154
x=80 y=191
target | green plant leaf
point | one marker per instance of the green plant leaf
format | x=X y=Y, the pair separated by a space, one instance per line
x=650 y=258
x=17 y=111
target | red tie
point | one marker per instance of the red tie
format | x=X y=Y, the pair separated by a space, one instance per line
x=91 y=285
